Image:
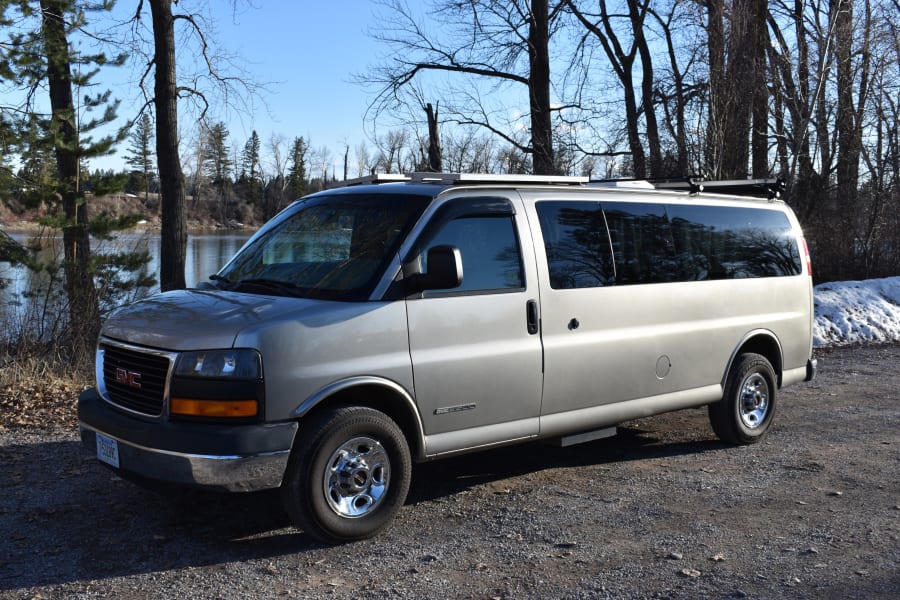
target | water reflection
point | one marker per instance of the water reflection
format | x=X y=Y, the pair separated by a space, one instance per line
x=206 y=254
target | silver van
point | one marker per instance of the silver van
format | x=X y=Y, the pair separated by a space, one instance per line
x=408 y=318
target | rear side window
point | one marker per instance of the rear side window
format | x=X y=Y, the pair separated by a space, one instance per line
x=717 y=242
x=578 y=251
x=642 y=245
x=592 y=244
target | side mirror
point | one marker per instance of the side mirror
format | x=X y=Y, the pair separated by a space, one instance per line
x=445 y=271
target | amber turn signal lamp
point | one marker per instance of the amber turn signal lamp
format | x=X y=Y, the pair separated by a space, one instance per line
x=213 y=408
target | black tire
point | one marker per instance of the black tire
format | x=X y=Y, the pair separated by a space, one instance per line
x=348 y=474
x=746 y=410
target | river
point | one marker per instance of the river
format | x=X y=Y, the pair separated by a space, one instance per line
x=206 y=254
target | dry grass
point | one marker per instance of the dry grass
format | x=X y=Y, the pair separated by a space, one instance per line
x=39 y=387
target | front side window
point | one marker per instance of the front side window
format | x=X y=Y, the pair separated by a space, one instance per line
x=333 y=247
x=490 y=252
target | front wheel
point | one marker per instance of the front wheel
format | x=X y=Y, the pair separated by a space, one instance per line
x=348 y=474
x=747 y=408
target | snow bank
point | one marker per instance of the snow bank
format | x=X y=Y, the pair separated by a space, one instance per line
x=849 y=312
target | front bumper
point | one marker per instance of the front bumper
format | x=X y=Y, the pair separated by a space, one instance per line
x=234 y=458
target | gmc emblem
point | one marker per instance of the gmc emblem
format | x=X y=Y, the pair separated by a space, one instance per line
x=129 y=378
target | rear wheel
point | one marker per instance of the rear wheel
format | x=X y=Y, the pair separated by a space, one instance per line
x=745 y=412
x=348 y=474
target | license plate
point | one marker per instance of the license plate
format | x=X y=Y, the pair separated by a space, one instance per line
x=108 y=450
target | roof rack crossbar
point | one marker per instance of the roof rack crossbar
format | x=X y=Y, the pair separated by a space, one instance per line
x=461 y=178
x=373 y=178
x=761 y=188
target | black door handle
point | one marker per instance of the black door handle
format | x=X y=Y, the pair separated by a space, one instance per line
x=531 y=312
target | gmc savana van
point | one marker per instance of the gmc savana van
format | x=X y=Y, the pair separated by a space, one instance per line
x=409 y=318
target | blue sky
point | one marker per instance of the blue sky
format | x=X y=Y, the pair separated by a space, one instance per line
x=305 y=53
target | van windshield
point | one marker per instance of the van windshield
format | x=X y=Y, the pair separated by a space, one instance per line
x=332 y=247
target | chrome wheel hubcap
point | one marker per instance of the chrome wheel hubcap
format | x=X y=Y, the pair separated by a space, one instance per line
x=754 y=401
x=357 y=477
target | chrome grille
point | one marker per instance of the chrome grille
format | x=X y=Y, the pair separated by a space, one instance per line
x=135 y=380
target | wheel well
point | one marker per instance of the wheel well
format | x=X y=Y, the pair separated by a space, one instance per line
x=767 y=346
x=382 y=399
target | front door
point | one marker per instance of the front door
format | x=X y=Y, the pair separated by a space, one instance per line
x=475 y=349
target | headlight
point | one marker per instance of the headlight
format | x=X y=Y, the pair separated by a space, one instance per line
x=241 y=363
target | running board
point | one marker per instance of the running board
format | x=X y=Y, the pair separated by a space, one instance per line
x=581 y=438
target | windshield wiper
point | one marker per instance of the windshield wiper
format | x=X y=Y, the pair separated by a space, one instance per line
x=282 y=288
x=222 y=282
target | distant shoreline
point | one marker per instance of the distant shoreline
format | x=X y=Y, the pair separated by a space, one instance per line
x=149 y=227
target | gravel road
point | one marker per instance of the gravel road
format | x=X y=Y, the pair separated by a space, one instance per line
x=662 y=510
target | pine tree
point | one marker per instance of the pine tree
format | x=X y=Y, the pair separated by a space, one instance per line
x=39 y=56
x=250 y=169
x=297 y=173
x=217 y=164
x=141 y=151
x=54 y=150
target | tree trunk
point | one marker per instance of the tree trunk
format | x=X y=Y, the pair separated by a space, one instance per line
x=795 y=96
x=759 y=137
x=434 y=140
x=737 y=95
x=173 y=237
x=637 y=14
x=84 y=313
x=622 y=63
x=715 y=123
x=539 y=89
x=846 y=125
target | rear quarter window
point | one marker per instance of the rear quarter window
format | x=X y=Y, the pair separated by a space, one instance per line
x=717 y=242
x=595 y=244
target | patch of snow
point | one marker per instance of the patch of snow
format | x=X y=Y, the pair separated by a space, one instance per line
x=852 y=312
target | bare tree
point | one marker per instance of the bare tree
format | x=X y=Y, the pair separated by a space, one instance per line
x=363 y=162
x=173 y=233
x=678 y=87
x=853 y=74
x=737 y=91
x=500 y=42
x=274 y=194
x=394 y=155
x=799 y=78
x=321 y=159
x=602 y=26
x=434 y=139
x=165 y=98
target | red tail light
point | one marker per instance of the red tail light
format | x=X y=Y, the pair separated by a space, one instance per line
x=807 y=257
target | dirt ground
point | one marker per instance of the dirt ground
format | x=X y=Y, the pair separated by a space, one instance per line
x=663 y=510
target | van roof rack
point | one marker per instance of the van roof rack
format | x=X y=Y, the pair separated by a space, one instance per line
x=694 y=184
x=459 y=178
x=760 y=188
